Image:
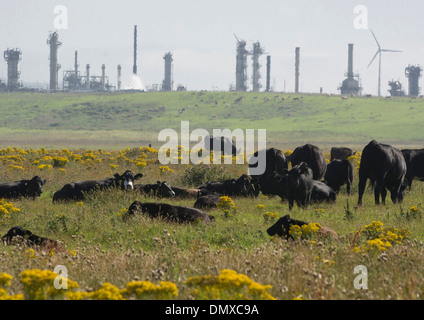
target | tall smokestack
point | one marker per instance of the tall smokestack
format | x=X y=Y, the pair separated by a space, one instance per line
x=135 y=51
x=103 y=77
x=12 y=56
x=297 y=70
x=87 y=83
x=119 y=76
x=54 y=43
x=350 y=61
x=268 y=73
x=76 y=63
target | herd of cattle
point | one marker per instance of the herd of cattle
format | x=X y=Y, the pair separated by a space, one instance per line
x=310 y=180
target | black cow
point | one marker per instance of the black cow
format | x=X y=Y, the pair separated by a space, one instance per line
x=30 y=239
x=158 y=189
x=77 y=191
x=282 y=228
x=386 y=166
x=228 y=146
x=275 y=184
x=207 y=202
x=275 y=161
x=322 y=192
x=169 y=212
x=339 y=173
x=414 y=159
x=299 y=185
x=341 y=153
x=230 y=187
x=313 y=157
x=23 y=188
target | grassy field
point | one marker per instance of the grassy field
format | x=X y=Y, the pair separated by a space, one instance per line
x=102 y=134
x=101 y=246
x=119 y=120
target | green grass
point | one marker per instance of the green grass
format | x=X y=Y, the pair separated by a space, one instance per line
x=131 y=119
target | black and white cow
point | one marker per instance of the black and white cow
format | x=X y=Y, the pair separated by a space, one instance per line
x=77 y=191
x=22 y=188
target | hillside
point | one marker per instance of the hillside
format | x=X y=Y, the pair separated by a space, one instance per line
x=131 y=119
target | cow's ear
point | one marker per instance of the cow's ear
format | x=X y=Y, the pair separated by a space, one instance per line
x=138 y=176
x=116 y=175
x=158 y=182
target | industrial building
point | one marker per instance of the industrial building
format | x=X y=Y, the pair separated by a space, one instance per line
x=350 y=85
x=413 y=73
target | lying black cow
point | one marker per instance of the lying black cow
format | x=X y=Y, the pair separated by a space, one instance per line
x=275 y=184
x=275 y=162
x=170 y=212
x=282 y=228
x=226 y=145
x=77 y=191
x=158 y=189
x=322 y=192
x=414 y=159
x=207 y=202
x=23 y=188
x=387 y=167
x=341 y=153
x=231 y=187
x=339 y=173
x=313 y=157
x=30 y=239
x=299 y=185
x=188 y=193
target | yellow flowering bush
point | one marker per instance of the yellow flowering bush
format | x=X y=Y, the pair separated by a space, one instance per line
x=164 y=170
x=6 y=209
x=306 y=231
x=60 y=162
x=226 y=204
x=106 y=292
x=228 y=285
x=270 y=216
x=146 y=290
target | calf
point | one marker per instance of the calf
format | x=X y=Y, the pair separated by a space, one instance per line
x=158 y=189
x=299 y=185
x=77 y=191
x=339 y=173
x=30 y=239
x=169 y=212
x=22 y=188
x=207 y=202
x=386 y=166
x=282 y=229
x=322 y=192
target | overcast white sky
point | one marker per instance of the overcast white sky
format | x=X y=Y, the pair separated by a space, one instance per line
x=200 y=34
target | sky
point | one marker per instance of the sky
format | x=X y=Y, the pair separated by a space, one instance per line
x=201 y=36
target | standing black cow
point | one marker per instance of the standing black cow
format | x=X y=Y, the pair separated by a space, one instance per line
x=275 y=161
x=313 y=157
x=228 y=146
x=77 y=191
x=341 y=153
x=23 y=188
x=339 y=173
x=414 y=163
x=386 y=166
x=299 y=185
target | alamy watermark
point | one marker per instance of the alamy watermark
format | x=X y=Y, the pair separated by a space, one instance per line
x=361 y=17
x=60 y=20
x=61 y=281
x=176 y=149
x=361 y=280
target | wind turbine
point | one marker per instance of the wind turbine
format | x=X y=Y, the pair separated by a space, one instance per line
x=379 y=51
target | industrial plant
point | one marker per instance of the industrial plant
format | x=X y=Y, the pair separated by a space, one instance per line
x=77 y=79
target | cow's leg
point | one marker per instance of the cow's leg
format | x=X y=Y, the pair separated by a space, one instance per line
x=377 y=192
x=361 y=189
x=291 y=202
x=394 y=193
x=349 y=187
x=383 y=194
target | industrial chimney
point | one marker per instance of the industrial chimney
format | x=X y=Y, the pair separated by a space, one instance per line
x=350 y=85
x=241 y=66
x=167 y=82
x=103 y=77
x=119 y=77
x=12 y=56
x=135 y=51
x=87 y=82
x=268 y=73
x=297 y=63
x=413 y=73
x=54 y=43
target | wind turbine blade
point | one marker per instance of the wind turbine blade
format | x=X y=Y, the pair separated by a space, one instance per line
x=375 y=39
x=387 y=50
x=374 y=58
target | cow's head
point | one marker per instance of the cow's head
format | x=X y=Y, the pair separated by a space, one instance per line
x=164 y=190
x=34 y=187
x=126 y=180
x=16 y=232
x=282 y=226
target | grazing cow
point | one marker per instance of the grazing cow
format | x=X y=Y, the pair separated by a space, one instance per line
x=386 y=166
x=313 y=157
x=275 y=161
x=322 y=192
x=158 y=189
x=299 y=185
x=23 y=188
x=414 y=159
x=231 y=187
x=341 y=153
x=77 y=191
x=227 y=146
x=170 y=212
x=207 y=202
x=339 y=173
x=282 y=228
x=30 y=239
